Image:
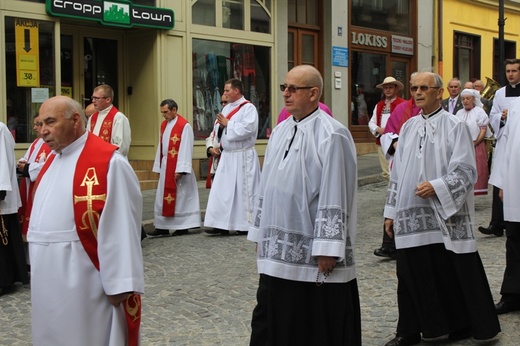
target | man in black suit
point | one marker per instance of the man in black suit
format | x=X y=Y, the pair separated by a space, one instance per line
x=453 y=103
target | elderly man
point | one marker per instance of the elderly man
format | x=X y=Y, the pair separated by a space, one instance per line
x=453 y=103
x=442 y=287
x=230 y=201
x=305 y=226
x=84 y=244
x=108 y=122
x=382 y=112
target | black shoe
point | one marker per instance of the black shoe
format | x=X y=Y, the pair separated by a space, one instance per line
x=503 y=307
x=241 y=232
x=217 y=231
x=491 y=230
x=159 y=232
x=460 y=334
x=180 y=232
x=404 y=341
x=143 y=233
x=386 y=251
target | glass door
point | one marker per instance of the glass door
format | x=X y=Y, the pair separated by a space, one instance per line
x=88 y=61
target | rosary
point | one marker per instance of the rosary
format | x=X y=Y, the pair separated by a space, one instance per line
x=325 y=276
x=3 y=232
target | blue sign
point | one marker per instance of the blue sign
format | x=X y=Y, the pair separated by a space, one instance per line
x=339 y=56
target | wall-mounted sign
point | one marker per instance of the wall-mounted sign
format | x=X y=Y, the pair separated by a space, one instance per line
x=339 y=56
x=402 y=45
x=371 y=40
x=113 y=13
x=27 y=52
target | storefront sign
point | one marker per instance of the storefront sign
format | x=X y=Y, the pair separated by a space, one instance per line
x=27 y=52
x=371 y=40
x=402 y=45
x=113 y=13
x=340 y=56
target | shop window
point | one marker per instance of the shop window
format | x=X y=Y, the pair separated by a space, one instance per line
x=30 y=72
x=368 y=70
x=466 y=57
x=214 y=63
x=231 y=14
x=387 y=15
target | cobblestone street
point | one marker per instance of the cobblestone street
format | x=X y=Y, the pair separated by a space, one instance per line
x=200 y=289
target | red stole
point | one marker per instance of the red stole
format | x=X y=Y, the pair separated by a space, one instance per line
x=170 y=184
x=105 y=132
x=213 y=134
x=26 y=193
x=379 y=112
x=89 y=195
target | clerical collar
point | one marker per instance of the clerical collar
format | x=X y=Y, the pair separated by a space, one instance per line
x=512 y=90
x=106 y=110
x=306 y=115
x=426 y=116
x=514 y=85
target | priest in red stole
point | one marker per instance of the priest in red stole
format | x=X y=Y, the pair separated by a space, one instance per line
x=177 y=204
x=84 y=237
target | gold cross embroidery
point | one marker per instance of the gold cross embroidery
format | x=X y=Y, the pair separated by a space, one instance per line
x=169 y=198
x=173 y=152
x=175 y=139
x=90 y=179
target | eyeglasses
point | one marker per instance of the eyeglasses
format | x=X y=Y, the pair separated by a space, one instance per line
x=95 y=98
x=223 y=103
x=38 y=124
x=293 y=88
x=422 y=87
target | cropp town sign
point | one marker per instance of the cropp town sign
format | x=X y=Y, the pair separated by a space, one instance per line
x=113 y=13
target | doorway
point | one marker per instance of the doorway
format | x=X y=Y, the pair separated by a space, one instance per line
x=88 y=61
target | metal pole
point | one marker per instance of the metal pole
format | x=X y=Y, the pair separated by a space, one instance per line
x=501 y=58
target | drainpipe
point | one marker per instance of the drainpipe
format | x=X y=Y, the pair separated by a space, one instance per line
x=439 y=25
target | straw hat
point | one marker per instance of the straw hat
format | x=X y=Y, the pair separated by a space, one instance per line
x=391 y=80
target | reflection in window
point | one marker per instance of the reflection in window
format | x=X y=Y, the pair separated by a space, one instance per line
x=388 y=15
x=26 y=83
x=213 y=64
x=231 y=14
x=368 y=70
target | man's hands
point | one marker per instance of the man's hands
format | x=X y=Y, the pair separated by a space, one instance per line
x=117 y=299
x=222 y=120
x=389 y=227
x=326 y=263
x=424 y=190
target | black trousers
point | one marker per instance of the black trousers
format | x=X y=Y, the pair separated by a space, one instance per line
x=497 y=211
x=510 y=289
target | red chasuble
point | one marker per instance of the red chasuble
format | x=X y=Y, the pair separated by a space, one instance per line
x=105 y=131
x=89 y=196
x=26 y=193
x=170 y=184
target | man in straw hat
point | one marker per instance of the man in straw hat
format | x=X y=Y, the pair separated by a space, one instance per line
x=382 y=112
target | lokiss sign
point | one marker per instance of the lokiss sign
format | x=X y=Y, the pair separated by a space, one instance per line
x=112 y=13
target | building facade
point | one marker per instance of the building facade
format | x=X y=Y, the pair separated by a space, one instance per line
x=151 y=50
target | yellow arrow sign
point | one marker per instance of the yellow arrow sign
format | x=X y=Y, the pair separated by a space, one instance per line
x=27 y=52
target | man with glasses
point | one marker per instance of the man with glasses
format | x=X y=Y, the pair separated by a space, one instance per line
x=230 y=201
x=381 y=113
x=442 y=286
x=305 y=226
x=108 y=122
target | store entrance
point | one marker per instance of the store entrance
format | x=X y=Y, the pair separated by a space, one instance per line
x=88 y=61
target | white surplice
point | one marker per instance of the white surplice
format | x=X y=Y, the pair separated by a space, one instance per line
x=35 y=161
x=437 y=148
x=187 y=205
x=507 y=169
x=68 y=294
x=121 y=133
x=8 y=180
x=307 y=201
x=232 y=193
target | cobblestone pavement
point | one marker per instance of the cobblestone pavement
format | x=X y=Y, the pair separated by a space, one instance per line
x=200 y=289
